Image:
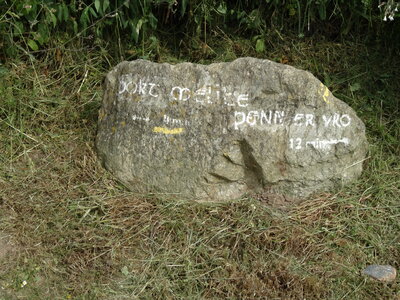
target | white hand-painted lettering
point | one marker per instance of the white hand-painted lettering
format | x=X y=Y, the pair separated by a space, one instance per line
x=326 y=144
x=310 y=120
x=142 y=87
x=297 y=119
x=255 y=117
x=252 y=117
x=140 y=118
x=151 y=92
x=264 y=118
x=278 y=117
x=243 y=97
x=327 y=120
x=230 y=96
x=171 y=121
x=239 y=122
x=126 y=85
x=200 y=92
x=345 y=120
x=180 y=93
x=297 y=143
x=336 y=120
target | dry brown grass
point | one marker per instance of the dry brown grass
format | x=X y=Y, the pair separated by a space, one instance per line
x=78 y=234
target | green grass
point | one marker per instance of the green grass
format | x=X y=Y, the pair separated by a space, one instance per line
x=71 y=231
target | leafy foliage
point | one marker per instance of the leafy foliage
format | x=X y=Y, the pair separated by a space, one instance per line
x=31 y=25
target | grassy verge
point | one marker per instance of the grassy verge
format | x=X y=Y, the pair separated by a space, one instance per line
x=69 y=231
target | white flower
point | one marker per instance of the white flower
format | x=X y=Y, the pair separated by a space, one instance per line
x=385 y=19
x=391 y=18
x=24 y=283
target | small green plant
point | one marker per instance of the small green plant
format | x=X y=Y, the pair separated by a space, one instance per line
x=32 y=24
x=28 y=26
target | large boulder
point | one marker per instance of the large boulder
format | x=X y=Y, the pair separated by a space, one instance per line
x=214 y=132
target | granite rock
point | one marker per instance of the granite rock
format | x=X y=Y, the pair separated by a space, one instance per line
x=215 y=132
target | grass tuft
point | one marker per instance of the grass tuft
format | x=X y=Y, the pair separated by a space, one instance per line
x=68 y=230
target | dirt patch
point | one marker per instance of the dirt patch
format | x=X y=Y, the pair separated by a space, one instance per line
x=281 y=202
x=7 y=247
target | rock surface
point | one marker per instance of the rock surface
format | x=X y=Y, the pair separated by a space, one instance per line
x=381 y=273
x=218 y=131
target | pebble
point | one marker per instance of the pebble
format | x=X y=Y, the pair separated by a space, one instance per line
x=384 y=273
